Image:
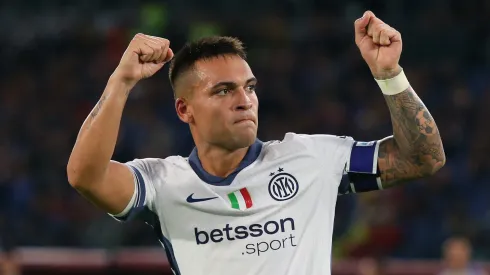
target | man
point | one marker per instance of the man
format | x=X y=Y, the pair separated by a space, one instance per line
x=457 y=258
x=238 y=205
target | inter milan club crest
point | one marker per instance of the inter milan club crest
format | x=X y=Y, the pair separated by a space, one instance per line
x=282 y=186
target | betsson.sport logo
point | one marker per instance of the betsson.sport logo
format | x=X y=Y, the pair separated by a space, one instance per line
x=279 y=229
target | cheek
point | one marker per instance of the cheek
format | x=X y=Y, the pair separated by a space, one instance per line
x=255 y=101
x=210 y=117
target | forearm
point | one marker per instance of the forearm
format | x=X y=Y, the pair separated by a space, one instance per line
x=416 y=148
x=97 y=138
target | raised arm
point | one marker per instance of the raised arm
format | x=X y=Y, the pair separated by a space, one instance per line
x=109 y=184
x=415 y=150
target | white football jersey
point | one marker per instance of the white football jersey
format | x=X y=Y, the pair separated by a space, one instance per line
x=273 y=215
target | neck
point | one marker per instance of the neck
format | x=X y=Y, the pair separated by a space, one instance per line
x=218 y=161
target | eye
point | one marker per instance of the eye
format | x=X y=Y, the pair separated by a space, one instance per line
x=222 y=92
x=251 y=88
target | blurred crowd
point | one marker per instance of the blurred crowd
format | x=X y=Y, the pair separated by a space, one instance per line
x=57 y=59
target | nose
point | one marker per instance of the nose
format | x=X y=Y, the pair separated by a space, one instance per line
x=243 y=100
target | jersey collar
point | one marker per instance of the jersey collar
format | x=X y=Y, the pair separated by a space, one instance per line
x=252 y=154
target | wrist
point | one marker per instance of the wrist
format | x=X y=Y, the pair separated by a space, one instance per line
x=394 y=85
x=386 y=73
x=119 y=86
x=124 y=83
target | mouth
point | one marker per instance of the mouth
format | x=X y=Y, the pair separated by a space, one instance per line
x=246 y=120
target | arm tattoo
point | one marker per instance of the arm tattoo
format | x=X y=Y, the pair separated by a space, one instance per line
x=97 y=108
x=415 y=150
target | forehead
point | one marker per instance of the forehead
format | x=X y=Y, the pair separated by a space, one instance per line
x=223 y=68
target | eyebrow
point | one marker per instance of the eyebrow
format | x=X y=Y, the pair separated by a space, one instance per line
x=232 y=84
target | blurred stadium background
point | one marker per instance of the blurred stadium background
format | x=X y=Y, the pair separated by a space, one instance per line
x=57 y=55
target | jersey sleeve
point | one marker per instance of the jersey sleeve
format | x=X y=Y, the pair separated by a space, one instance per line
x=355 y=161
x=144 y=172
x=361 y=173
x=330 y=151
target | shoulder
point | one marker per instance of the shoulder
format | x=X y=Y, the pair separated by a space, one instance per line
x=315 y=138
x=294 y=141
x=159 y=162
x=160 y=167
x=317 y=145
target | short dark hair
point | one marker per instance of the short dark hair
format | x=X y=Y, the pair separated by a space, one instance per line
x=202 y=49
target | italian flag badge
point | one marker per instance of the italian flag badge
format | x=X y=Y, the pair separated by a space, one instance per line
x=240 y=199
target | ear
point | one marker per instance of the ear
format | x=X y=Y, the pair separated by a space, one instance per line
x=183 y=110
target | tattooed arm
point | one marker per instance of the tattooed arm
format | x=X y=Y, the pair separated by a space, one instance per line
x=109 y=184
x=415 y=150
x=106 y=183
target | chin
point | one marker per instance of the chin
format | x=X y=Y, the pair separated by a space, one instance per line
x=244 y=139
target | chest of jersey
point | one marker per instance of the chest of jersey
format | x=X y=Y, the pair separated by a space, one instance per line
x=267 y=202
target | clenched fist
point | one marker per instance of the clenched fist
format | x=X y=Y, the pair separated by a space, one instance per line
x=144 y=56
x=380 y=45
